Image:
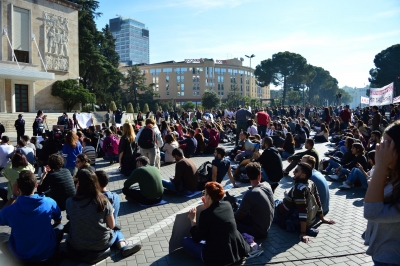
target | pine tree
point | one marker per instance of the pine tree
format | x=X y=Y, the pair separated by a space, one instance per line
x=113 y=106
x=129 y=108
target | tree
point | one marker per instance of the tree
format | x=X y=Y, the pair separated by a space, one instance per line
x=323 y=85
x=137 y=109
x=145 y=108
x=282 y=67
x=113 y=106
x=293 y=97
x=129 y=108
x=210 y=100
x=134 y=81
x=387 y=68
x=97 y=72
x=188 y=106
x=72 y=93
x=233 y=97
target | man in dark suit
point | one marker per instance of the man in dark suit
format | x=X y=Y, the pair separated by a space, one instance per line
x=20 y=126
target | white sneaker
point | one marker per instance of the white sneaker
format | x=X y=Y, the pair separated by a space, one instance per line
x=345 y=186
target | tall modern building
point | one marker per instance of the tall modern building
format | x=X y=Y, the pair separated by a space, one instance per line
x=132 y=40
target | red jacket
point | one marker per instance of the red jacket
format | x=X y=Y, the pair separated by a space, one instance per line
x=214 y=138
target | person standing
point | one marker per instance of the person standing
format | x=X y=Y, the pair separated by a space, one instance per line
x=20 y=126
x=107 y=118
x=75 y=120
x=241 y=121
x=263 y=121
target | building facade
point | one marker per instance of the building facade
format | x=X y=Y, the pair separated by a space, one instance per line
x=132 y=40
x=39 y=45
x=188 y=80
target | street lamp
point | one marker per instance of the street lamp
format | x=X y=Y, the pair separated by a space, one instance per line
x=251 y=56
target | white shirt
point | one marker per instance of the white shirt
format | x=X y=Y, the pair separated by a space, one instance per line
x=4 y=151
x=252 y=130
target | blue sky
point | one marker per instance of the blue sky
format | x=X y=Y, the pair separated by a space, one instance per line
x=341 y=36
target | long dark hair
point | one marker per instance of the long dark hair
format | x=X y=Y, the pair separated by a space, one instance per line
x=289 y=138
x=393 y=131
x=19 y=159
x=89 y=188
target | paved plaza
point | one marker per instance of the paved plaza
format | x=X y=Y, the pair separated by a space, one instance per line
x=339 y=244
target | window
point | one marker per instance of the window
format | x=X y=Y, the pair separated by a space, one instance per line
x=167 y=93
x=181 y=93
x=182 y=86
x=220 y=78
x=179 y=79
x=167 y=70
x=167 y=87
x=196 y=79
x=196 y=93
x=21 y=31
x=181 y=70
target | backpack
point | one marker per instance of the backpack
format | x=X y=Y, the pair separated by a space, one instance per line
x=147 y=138
x=312 y=207
x=113 y=145
x=204 y=174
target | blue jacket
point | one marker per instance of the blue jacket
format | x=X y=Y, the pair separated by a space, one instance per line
x=191 y=145
x=32 y=235
x=323 y=189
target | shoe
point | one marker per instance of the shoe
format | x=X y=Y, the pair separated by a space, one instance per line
x=345 y=185
x=130 y=249
x=334 y=177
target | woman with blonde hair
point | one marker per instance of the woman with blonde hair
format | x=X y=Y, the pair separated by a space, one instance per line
x=127 y=149
x=70 y=150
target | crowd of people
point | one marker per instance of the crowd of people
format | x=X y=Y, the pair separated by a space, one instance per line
x=364 y=146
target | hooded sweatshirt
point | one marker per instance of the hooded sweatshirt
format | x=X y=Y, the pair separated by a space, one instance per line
x=214 y=138
x=32 y=235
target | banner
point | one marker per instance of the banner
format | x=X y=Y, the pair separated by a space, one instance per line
x=396 y=99
x=381 y=96
x=364 y=100
x=84 y=119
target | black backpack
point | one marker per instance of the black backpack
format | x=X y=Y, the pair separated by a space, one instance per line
x=204 y=174
x=146 y=138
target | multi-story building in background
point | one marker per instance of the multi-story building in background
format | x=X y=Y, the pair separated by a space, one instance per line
x=132 y=40
x=356 y=94
x=188 y=80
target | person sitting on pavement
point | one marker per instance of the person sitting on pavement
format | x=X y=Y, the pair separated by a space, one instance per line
x=185 y=180
x=287 y=147
x=243 y=136
x=295 y=159
x=82 y=162
x=112 y=197
x=33 y=238
x=359 y=173
x=11 y=172
x=56 y=182
x=189 y=144
x=70 y=150
x=221 y=167
x=224 y=245
x=5 y=149
x=256 y=211
x=150 y=185
x=213 y=139
x=343 y=171
x=89 y=151
x=27 y=151
x=110 y=146
x=169 y=145
x=91 y=219
x=300 y=136
x=320 y=181
x=271 y=163
x=373 y=140
x=293 y=213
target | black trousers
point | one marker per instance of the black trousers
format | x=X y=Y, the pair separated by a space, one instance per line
x=20 y=134
x=137 y=196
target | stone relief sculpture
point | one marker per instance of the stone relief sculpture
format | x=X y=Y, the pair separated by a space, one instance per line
x=56 y=42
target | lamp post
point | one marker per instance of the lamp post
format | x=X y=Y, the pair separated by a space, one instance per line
x=251 y=56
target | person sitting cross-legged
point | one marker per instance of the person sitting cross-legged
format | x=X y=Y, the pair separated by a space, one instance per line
x=256 y=210
x=112 y=197
x=33 y=238
x=299 y=207
x=221 y=167
x=295 y=159
x=56 y=181
x=320 y=181
x=92 y=226
x=358 y=173
x=185 y=180
x=150 y=185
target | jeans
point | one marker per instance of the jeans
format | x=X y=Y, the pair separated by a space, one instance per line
x=343 y=149
x=149 y=153
x=357 y=174
x=162 y=156
x=286 y=155
x=345 y=125
x=167 y=184
x=195 y=249
x=262 y=130
x=117 y=237
x=264 y=177
x=333 y=164
x=112 y=157
x=137 y=196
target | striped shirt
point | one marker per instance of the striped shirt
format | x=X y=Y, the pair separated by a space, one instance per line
x=90 y=152
x=296 y=198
